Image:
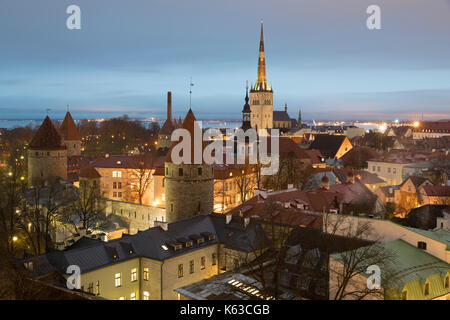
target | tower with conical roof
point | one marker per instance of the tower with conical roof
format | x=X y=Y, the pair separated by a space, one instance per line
x=261 y=94
x=189 y=187
x=47 y=155
x=71 y=136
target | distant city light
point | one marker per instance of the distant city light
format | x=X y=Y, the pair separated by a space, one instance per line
x=396 y=121
x=416 y=123
x=382 y=127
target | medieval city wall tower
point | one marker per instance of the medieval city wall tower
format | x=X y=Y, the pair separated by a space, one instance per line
x=189 y=187
x=71 y=136
x=47 y=155
x=261 y=94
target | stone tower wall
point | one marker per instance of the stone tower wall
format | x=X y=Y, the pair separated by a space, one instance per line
x=46 y=165
x=187 y=193
x=73 y=147
x=261 y=105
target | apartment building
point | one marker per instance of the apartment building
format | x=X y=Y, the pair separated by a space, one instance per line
x=151 y=264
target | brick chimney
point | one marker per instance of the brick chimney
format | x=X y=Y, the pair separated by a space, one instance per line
x=169 y=105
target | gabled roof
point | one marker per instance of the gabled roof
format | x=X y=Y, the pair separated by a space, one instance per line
x=281 y=116
x=89 y=172
x=437 y=191
x=90 y=255
x=328 y=144
x=416 y=181
x=47 y=137
x=68 y=129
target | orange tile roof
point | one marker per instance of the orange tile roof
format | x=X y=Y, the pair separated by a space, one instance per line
x=68 y=129
x=47 y=137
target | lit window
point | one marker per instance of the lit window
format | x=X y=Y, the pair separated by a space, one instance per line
x=118 y=279
x=97 y=288
x=133 y=274
x=146 y=273
x=146 y=295
x=163 y=197
x=114 y=174
x=119 y=174
x=133 y=296
x=122 y=298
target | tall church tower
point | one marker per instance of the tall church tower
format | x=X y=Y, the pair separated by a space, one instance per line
x=261 y=94
x=189 y=186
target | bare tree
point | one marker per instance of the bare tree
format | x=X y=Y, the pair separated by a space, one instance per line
x=89 y=209
x=41 y=211
x=245 y=182
x=359 y=248
x=141 y=176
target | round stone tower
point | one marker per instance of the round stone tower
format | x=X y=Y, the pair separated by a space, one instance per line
x=189 y=187
x=47 y=155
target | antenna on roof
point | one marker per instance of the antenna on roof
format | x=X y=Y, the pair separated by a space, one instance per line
x=190 y=92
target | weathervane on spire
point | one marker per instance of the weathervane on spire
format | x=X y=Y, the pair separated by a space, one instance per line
x=190 y=92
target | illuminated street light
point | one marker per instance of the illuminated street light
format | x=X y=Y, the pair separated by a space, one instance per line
x=416 y=124
x=14 y=238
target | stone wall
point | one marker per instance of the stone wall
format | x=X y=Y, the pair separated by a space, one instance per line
x=46 y=165
x=189 y=194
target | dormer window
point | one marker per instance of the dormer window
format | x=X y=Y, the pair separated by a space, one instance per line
x=422 y=245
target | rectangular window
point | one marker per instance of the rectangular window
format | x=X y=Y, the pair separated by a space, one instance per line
x=97 y=288
x=114 y=185
x=379 y=169
x=119 y=174
x=199 y=171
x=180 y=172
x=202 y=263
x=114 y=174
x=133 y=296
x=394 y=170
x=447 y=282
x=114 y=194
x=91 y=287
x=118 y=279
x=119 y=185
x=146 y=295
x=422 y=245
x=146 y=274
x=180 y=270
x=133 y=274
x=191 y=266
x=214 y=259
x=119 y=194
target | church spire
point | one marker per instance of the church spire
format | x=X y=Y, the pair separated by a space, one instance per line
x=261 y=80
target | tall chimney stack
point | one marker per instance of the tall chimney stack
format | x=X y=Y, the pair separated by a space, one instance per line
x=169 y=105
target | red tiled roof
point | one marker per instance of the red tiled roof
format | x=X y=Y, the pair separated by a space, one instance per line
x=89 y=172
x=437 y=191
x=68 y=129
x=47 y=137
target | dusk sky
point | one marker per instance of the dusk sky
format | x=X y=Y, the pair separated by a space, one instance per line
x=320 y=57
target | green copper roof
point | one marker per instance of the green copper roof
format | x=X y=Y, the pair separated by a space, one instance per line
x=412 y=268
x=440 y=235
